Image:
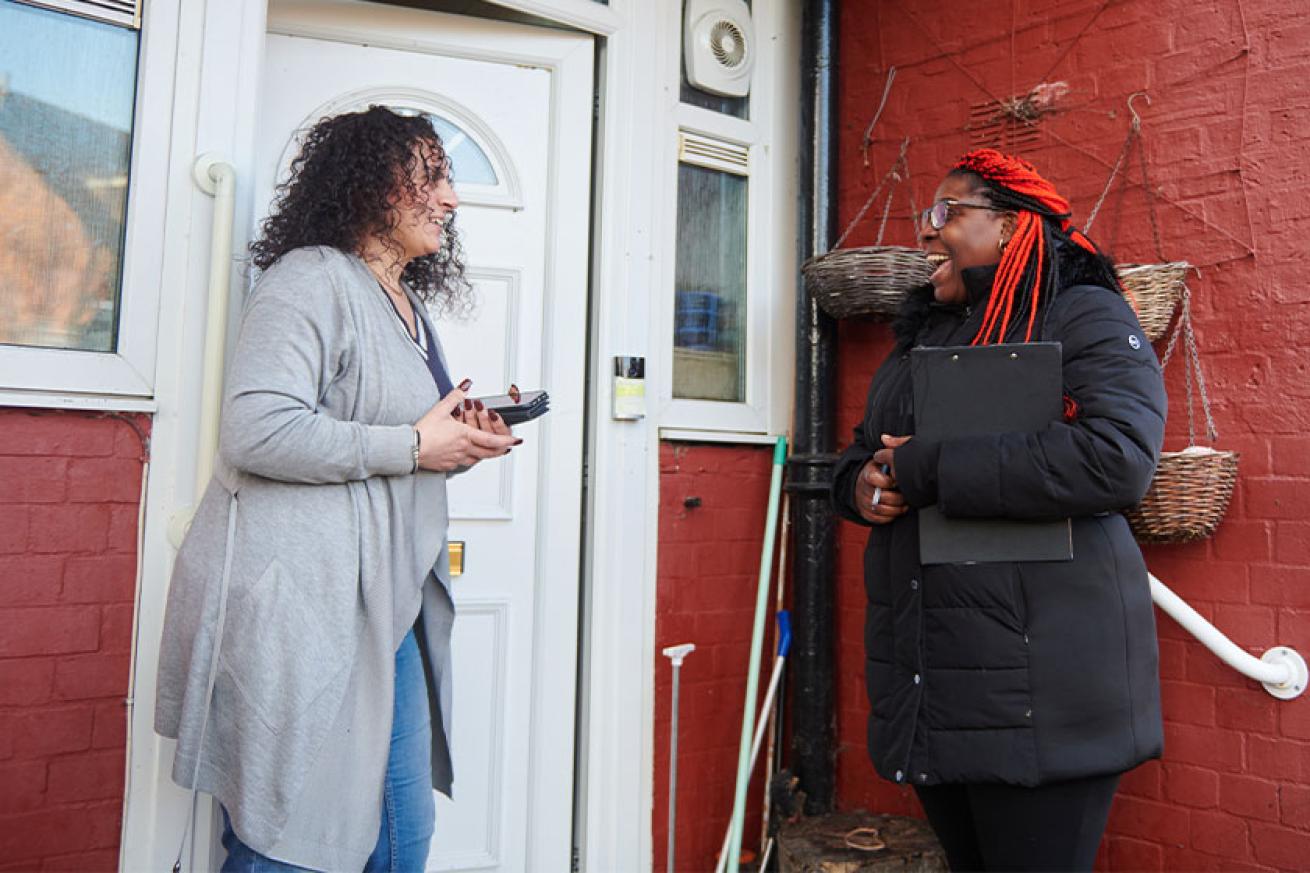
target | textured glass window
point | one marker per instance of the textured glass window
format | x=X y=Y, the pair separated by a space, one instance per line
x=67 y=87
x=709 y=309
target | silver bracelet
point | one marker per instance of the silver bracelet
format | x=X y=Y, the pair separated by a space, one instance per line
x=415 y=449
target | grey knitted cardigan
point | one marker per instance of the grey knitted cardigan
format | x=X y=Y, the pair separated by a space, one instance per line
x=326 y=546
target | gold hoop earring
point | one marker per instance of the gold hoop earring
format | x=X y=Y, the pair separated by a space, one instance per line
x=1000 y=245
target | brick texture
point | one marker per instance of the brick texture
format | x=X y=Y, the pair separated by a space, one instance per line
x=69 y=490
x=708 y=569
x=1226 y=134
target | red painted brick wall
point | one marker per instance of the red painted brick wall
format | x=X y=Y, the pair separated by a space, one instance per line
x=708 y=572
x=69 y=490
x=1227 y=136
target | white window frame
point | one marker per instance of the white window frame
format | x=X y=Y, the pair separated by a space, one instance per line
x=125 y=378
x=770 y=217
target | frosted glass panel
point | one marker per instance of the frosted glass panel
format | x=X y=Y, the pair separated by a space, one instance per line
x=67 y=87
x=709 y=306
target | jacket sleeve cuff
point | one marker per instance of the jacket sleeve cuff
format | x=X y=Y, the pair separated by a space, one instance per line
x=844 y=480
x=916 y=471
x=389 y=450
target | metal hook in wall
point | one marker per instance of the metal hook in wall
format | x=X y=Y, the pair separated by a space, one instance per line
x=1137 y=119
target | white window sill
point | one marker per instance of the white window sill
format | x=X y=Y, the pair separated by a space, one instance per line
x=67 y=400
x=716 y=436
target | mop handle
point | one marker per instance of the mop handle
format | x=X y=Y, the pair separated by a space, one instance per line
x=757 y=650
x=784 y=646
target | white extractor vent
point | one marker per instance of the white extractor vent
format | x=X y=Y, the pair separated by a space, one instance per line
x=719 y=43
x=704 y=151
x=126 y=13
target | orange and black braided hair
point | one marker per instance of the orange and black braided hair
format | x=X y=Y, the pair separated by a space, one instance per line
x=1030 y=272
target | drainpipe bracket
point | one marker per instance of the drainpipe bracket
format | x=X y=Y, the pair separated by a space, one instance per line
x=810 y=473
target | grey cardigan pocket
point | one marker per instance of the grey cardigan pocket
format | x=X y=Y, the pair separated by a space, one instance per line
x=283 y=621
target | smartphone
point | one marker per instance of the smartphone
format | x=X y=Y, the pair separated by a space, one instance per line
x=529 y=405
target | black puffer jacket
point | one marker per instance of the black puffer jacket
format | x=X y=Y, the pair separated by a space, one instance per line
x=1022 y=673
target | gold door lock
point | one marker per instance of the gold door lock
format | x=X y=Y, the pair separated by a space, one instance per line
x=455 y=550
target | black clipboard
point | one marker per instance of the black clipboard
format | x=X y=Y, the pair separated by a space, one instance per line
x=962 y=391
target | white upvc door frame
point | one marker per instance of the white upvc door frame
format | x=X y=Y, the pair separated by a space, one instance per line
x=634 y=233
x=219 y=48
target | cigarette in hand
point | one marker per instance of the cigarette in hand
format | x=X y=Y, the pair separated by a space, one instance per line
x=877 y=489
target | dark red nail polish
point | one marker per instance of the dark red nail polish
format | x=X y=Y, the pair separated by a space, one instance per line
x=466 y=385
x=478 y=405
x=468 y=404
x=518 y=442
x=493 y=415
x=454 y=413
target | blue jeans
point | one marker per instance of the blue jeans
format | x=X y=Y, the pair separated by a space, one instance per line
x=408 y=808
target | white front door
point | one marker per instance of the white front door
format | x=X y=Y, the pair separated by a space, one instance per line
x=518 y=132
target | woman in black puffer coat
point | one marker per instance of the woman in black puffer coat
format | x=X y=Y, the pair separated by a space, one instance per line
x=1012 y=695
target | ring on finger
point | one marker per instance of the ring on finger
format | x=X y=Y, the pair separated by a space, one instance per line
x=877 y=496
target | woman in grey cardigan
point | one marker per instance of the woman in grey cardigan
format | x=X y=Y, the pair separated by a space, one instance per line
x=305 y=664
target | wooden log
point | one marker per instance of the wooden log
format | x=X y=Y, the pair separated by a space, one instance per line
x=848 y=842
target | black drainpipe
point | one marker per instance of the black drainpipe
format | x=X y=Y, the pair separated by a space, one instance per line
x=810 y=472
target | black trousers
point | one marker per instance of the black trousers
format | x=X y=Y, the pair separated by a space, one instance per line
x=1007 y=827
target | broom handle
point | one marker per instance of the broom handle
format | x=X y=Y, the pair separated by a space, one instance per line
x=757 y=650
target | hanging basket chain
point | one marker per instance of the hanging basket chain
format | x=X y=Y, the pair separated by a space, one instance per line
x=892 y=176
x=1193 y=351
x=1184 y=329
x=914 y=206
x=886 y=210
x=1133 y=131
x=1150 y=204
x=867 y=141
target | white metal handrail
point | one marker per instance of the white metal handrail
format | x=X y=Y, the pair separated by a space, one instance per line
x=216 y=177
x=1280 y=670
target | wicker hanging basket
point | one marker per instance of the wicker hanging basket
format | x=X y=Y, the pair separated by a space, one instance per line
x=873 y=280
x=1190 y=492
x=1154 y=291
x=1188 y=496
x=870 y=280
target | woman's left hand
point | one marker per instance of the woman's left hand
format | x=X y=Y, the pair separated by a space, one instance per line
x=474 y=414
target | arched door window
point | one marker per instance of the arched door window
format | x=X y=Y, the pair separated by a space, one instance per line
x=482 y=171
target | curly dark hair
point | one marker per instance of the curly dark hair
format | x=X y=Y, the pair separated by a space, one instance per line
x=343 y=184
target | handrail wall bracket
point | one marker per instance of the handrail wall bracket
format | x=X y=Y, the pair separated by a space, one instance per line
x=1295 y=665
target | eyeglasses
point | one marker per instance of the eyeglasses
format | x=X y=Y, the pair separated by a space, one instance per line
x=944 y=210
